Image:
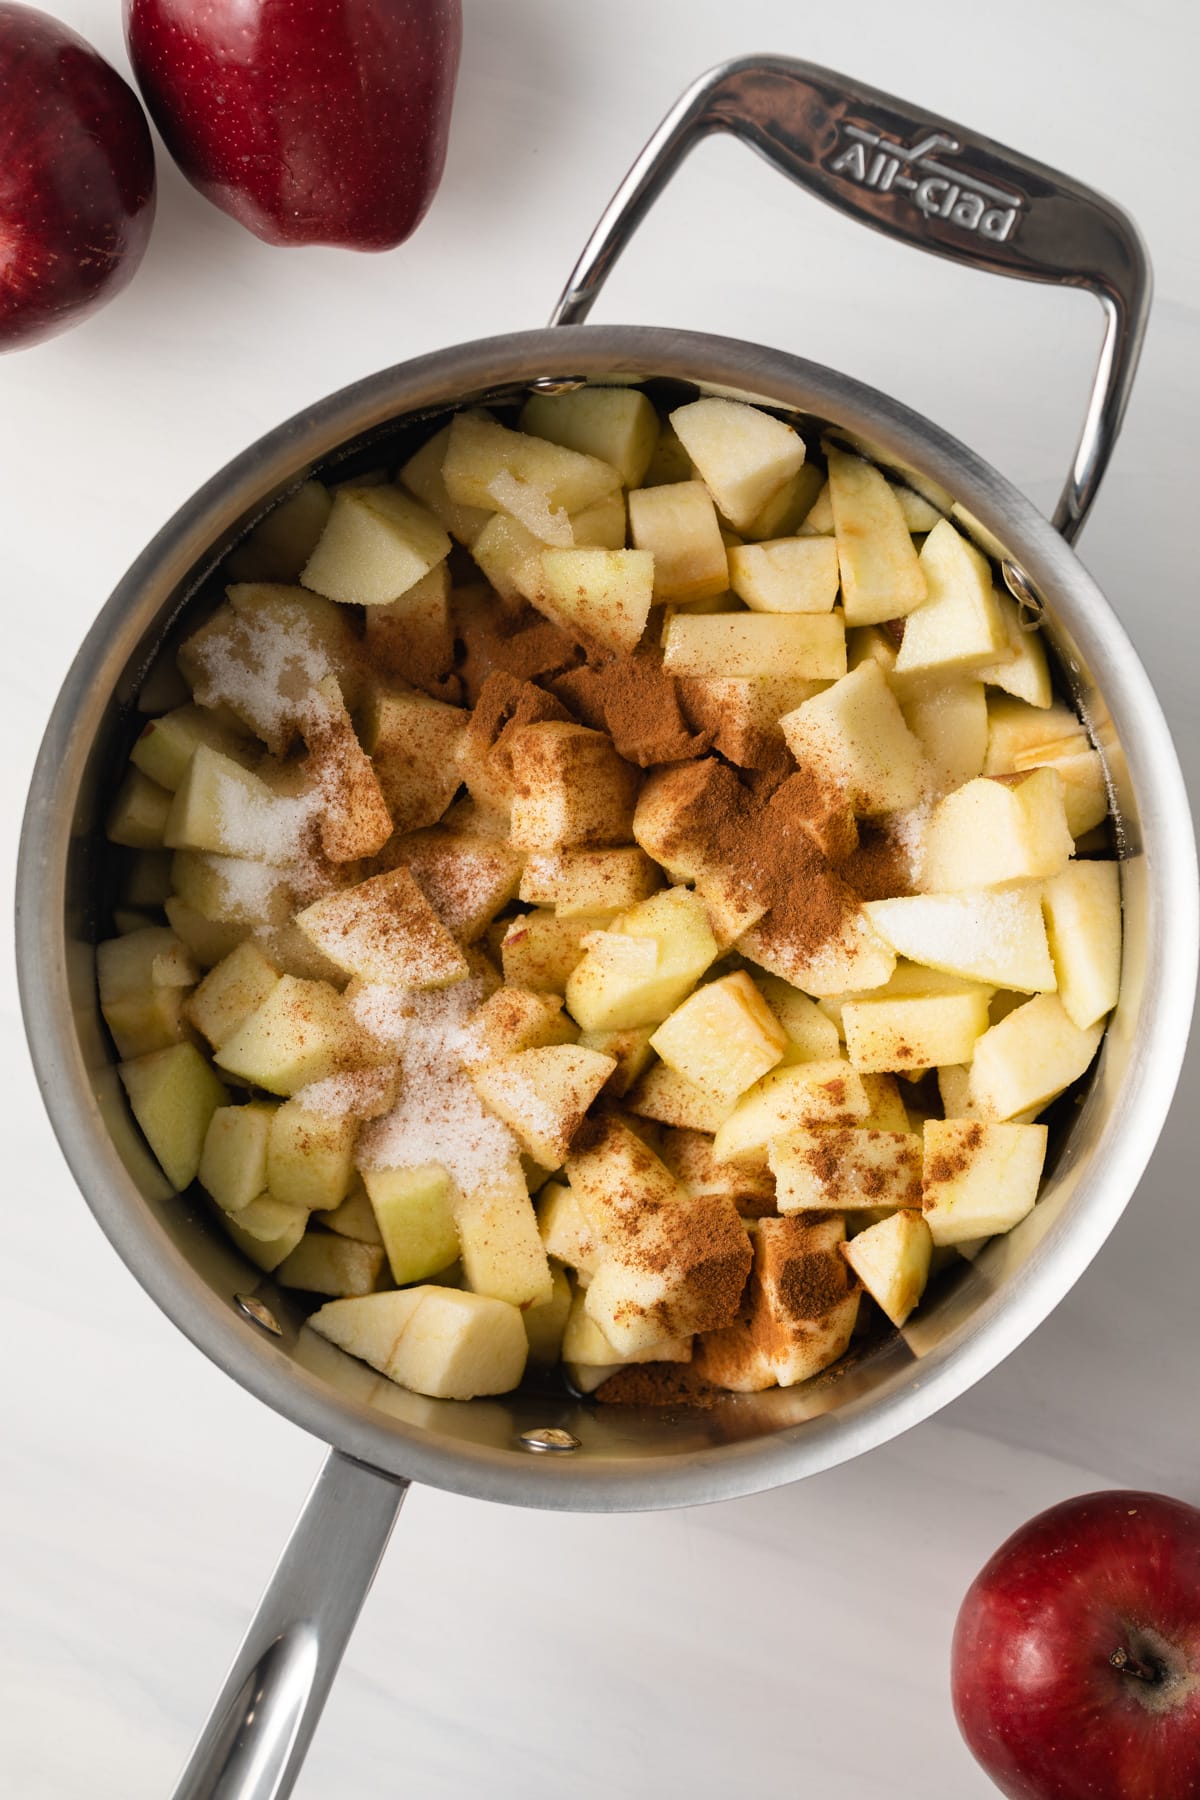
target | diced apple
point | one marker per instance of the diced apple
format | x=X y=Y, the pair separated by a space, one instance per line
x=677 y=524
x=998 y=938
x=139 y=813
x=888 y=1111
x=543 y=1095
x=456 y=1346
x=909 y=980
x=743 y=712
x=689 y=1156
x=880 y=572
x=959 y=628
x=601 y=526
x=233 y=1163
x=147 y=1019
x=267 y=1230
x=995 y=830
x=917 y=1033
x=466 y=878
x=1083 y=921
x=856 y=733
x=510 y=557
x=479 y=449
x=414 y=744
x=856 y=957
x=979 y=1179
x=208 y=941
x=1023 y=670
x=566 y=1231
x=325 y=1263
x=510 y=1020
x=532 y=508
x=604 y=595
x=788 y=506
x=222 y=807
x=891 y=1259
x=811 y=1036
x=950 y=721
x=789 y=1098
x=545 y=1324
x=669 y=1098
x=722 y=1038
x=228 y=995
x=920 y=514
x=791 y=575
x=598 y=883
x=354 y=1218
x=377 y=543
x=541 y=951
x=743 y=455
x=799 y=1312
x=1085 y=790
x=570 y=787
x=310 y=1156
x=370 y=1327
x=280 y=545
x=640 y=970
x=590 y=1358
x=167 y=745
x=845 y=1170
x=871 y=643
x=384 y=929
x=1015 y=727
x=422 y=476
x=818 y=521
x=811 y=645
x=263 y=654
x=673 y=1263
x=501 y=1249
x=1029 y=1057
x=150 y=956
x=631 y=1050
x=173 y=1094
x=617 y=424
x=230 y=890
x=301 y=1033
x=414 y=1210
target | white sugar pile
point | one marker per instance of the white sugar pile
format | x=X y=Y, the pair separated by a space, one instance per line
x=438 y=1117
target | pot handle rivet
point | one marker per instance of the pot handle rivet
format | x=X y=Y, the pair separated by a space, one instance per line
x=257 y=1313
x=551 y=1438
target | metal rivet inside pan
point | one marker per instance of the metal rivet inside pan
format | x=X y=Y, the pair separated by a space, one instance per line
x=257 y=1313
x=550 y=1437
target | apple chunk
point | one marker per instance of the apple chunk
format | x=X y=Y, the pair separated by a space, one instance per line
x=845 y=1170
x=881 y=575
x=233 y=1163
x=918 y=1033
x=740 y=644
x=414 y=744
x=325 y=1263
x=436 y=1341
x=542 y=1095
x=979 y=1179
x=639 y=970
x=384 y=929
x=501 y=1248
x=999 y=938
x=602 y=594
x=959 y=628
x=792 y=575
x=743 y=455
x=723 y=1037
x=798 y=1094
x=377 y=543
x=173 y=1094
x=798 y=1314
x=997 y=829
x=302 y=1032
x=267 y=1230
x=1031 y=1055
x=230 y=992
x=414 y=1210
x=856 y=733
x=1083 y=920
x=617 y=424
x=310 y=1156
x=479 y=449
x=891 y=1259
x=570 y=787
x=678 y=525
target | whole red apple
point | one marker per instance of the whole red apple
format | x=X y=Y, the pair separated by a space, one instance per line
x=1076 y=1660
x=311 y=121
x=76 y=178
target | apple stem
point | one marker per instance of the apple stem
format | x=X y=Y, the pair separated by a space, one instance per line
x=1130 y=1665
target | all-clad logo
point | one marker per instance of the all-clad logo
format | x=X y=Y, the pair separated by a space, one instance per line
x=872 y=160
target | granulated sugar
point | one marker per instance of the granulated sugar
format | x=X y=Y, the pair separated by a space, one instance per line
x=382 y=1010
x=359 y=1094
x=438 y=1117
x=264 y=665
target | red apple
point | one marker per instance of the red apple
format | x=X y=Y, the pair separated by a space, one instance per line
x=310 y=121
x=76 y=178
x=1076 y=1660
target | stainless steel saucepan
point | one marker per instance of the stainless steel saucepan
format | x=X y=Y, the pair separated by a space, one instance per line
x=914 y=177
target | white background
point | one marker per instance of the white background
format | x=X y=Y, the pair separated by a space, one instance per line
x=790 y=1643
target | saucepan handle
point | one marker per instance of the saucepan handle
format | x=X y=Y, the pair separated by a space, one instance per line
x=260 y=1728
x=919 y=178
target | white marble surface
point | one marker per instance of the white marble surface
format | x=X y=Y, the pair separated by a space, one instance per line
x=790 y=1643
